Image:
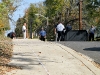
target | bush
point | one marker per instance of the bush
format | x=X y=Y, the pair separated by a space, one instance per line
x=6 y=48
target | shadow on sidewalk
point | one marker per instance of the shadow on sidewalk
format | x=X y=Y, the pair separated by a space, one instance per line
x=92 y=49
x=24 y=61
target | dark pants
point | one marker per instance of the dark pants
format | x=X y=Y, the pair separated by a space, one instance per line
x=60 y=36
x=42 y=38
x=91 y=36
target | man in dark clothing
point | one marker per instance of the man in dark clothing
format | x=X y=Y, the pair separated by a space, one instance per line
x=68 y=27
x=11 y=35
x=42 y=35
x=91 y=33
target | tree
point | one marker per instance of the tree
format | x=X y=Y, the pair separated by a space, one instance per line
x=92 y=11
x=68 y=11
x=7 y=7
x=65 y=10
x=19 y=25
x=31 y=18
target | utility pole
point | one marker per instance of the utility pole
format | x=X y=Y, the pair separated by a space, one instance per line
x=80 y=14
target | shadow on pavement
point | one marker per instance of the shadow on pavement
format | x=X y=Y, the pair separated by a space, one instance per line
x=92 y=49
x=25 y=62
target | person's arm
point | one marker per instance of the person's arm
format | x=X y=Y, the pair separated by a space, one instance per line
x=55 y=31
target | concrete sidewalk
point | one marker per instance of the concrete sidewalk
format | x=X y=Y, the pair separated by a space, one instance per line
x=36 y=57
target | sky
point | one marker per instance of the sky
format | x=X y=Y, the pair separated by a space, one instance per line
x=21 y=11
x=24 y=5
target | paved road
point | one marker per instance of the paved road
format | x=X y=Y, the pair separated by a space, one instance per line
x=91 y=49
x=36 y=57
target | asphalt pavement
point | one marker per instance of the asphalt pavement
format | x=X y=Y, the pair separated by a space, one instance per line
x=36 y=57
x=88 y=48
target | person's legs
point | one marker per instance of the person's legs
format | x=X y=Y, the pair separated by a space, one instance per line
x=43 y=38
x=92 y=37
x=62 y=36
x=24 y=35
x=59 y=36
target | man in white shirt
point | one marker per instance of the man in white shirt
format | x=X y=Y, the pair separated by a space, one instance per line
x=60 y=27
x=24 y=31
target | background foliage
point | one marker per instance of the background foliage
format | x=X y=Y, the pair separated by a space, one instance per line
x=66 y=11
x=7 y=8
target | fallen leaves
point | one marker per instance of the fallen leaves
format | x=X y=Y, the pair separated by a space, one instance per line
x=6 y=49
x=40 y=52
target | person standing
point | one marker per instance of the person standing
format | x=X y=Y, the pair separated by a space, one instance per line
x=24 y=31
x=91 y=33
x=68 y=27
x=60 y=27
x=42 y=35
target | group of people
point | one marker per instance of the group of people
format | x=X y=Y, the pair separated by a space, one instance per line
x=60 y=29
x=42 y=33
x=60 y=32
